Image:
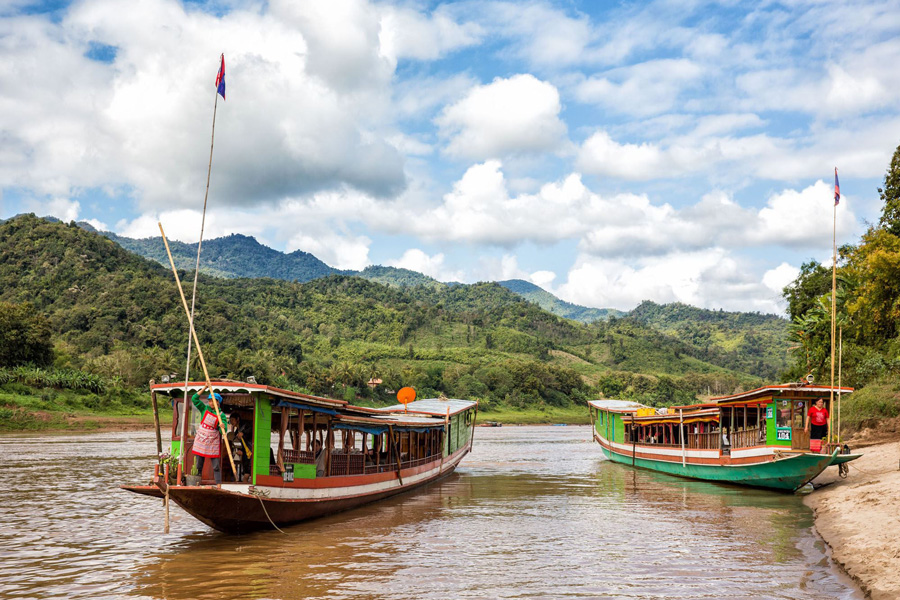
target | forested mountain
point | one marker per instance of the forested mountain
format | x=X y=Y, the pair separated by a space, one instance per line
x=230 y=256
x=116 y=313
x=740 y=340
x=242 y=256
x=551 y=303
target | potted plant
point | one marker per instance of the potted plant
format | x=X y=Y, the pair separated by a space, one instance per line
x=194 y=477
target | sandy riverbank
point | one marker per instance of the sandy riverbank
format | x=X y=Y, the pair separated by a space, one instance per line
x=859 y=517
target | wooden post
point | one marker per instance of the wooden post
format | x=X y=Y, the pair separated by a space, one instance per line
x=396 y=452
x=633 y=440
x=166 y=500
x=681 y=435
x=212 y=397
x=474 y=418
x=156 y=420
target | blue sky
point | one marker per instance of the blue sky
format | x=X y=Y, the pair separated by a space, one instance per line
x=609 y=152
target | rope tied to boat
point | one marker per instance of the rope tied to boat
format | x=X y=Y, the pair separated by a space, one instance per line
x=260 y=494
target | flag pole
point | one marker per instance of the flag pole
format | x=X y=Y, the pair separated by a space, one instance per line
x=833 y=297
x=212 y=142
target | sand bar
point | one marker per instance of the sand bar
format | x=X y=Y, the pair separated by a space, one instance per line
x=859 y=517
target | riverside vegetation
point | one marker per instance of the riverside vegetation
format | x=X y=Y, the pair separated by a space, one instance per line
x=89 y=306
x=75 y=303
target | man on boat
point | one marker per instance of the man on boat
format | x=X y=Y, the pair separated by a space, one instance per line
x=208 y=442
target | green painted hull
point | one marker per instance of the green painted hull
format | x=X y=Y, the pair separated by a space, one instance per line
x=787 y=474
x=843 y=458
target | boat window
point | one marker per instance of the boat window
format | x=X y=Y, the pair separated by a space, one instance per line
x=783 y=413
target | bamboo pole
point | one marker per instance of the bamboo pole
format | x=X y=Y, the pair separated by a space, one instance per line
x=212 y=396
x=833 y=309
x=156 y=420
x=187 y=368
x=840 y=361
x=396 y=451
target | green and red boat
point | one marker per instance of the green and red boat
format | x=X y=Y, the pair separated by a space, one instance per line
x=367 y=454
x=754 y=438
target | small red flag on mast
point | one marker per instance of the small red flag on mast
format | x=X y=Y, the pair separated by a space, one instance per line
x=220 y=79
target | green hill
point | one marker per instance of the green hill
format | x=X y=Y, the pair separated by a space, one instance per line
x=114 y=313
x=230 y=256
x=750 y=342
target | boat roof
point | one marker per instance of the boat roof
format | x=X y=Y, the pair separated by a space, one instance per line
x=237 y=387
x=786 y=389
x=420 y=409
x=431 y=406
x=625 y=406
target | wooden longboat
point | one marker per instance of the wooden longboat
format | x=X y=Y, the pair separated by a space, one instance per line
x=368 y=454
x=754 y=438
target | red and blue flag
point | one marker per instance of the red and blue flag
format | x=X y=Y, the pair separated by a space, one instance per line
x=220 y=79
x=837 y=186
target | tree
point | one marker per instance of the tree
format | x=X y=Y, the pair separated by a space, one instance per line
x=890 y=195
x=24 y=336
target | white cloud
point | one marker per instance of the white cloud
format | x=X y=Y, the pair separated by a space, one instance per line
x=776 y=279
x=518 y=115
x=415 y=259
x=406 y=33
x=644 y=89
x=308 y=99
x=803 y=218
x=542 y=279
x=339 y=251
x=709 y=278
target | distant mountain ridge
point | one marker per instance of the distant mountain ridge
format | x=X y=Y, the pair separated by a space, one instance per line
x=239 y=255
x=551 y=303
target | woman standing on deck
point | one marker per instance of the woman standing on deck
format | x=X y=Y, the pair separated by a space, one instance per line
x=208 y=442
x=817 y=420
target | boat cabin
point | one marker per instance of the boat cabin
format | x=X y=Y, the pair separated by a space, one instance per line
x=768 y=416
x=283 y=430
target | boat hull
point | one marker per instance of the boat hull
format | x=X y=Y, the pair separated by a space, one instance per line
x=844 y=458
x=785 y=474
x=246 y=508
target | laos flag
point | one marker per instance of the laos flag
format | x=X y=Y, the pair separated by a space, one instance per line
x=837 y=186
x=220 y=80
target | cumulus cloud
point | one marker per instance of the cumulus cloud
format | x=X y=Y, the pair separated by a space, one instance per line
x=340 y=251
x=518 y=115
x=482 y=210
x=308 y=95
x=778 y=278
x=415 y=259
x=406 y=33
x=708 y=278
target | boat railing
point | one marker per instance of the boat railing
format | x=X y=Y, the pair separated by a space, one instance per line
x=745 y=438
x=306 y=457
x=703 y=441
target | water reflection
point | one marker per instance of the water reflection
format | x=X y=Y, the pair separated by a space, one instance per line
x=534 y=512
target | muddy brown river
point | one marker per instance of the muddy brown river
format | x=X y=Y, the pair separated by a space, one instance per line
x=533 y=512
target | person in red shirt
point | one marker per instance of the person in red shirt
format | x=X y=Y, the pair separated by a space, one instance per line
x=817 y=420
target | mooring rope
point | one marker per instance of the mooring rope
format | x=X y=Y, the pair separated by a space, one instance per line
x=259 y=494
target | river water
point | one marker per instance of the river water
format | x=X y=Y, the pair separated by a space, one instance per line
x=533 y=512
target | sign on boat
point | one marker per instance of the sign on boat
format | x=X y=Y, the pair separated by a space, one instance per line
x=754 y=438
x=367 y=454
